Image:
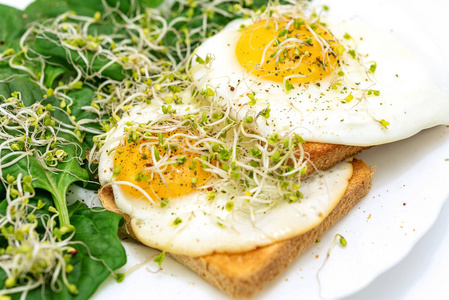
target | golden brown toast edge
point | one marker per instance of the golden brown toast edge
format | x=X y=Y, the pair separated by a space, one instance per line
x=242 y=275
x=324 y=156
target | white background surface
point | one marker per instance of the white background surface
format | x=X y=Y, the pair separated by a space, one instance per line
x=424 y=272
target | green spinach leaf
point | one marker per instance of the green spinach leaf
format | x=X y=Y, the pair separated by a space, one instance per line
x=12 y=26
x=97 y=231
x=50 y=8
x=62 y=56
x=31 y=92
x=52 y=73
x=56 y=182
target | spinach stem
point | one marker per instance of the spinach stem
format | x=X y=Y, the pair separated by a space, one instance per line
x=60 y=202
x=61 y=207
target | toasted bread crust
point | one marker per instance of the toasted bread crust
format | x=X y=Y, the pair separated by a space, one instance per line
x=242 y=275
x=324 y=156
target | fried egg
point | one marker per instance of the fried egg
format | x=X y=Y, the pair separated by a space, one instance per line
x=331 y=81
x=151 y=177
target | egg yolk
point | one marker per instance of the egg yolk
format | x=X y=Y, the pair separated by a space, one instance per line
x=176 y=179
x=272 y=51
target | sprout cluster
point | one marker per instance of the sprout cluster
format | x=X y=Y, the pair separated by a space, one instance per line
x=125 y=59
x=255 y=171
x=32 y=259
x=33 y=131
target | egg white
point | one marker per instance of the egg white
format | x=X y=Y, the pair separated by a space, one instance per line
x=207 y=226
x=409 y=98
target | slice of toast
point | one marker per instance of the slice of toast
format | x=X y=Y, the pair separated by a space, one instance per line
x=242 y=275
x=324 y=156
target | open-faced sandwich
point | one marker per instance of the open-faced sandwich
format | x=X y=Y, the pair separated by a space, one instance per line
x=224 y=132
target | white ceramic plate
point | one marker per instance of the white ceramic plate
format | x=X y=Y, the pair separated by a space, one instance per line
x=409 y=188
